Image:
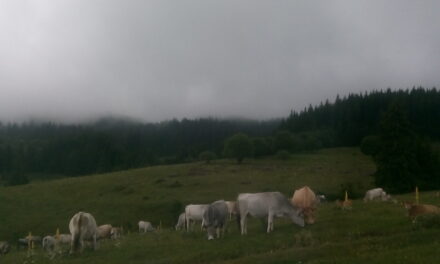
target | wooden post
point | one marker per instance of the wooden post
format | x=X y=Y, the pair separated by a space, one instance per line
x=346 y=196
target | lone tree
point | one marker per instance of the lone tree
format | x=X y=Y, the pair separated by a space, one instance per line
x=239 y=146
x=403 y=160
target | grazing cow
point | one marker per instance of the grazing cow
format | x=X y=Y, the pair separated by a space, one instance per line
x=116 y=232
x=82 y=227
x=104 y=231
x=49 y=243
x=194 y=212
x=266 y=204
x=145 y=227
x=27 y=241
x=181 y=221
x=306 y=200
x=232 y=208
x=215 y=217
x=4 y=247
x=376 y=193
x=64 y=238
x=415 y=210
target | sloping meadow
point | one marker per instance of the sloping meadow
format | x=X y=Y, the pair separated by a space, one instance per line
x=373 y=232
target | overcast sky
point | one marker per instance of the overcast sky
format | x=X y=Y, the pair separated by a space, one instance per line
x=71 y=60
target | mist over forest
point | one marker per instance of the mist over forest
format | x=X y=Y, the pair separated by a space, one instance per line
x=34 y=150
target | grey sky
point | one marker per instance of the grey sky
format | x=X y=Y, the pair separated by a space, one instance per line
x=156 y=60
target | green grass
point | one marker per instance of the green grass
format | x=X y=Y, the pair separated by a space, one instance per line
x=370 y=233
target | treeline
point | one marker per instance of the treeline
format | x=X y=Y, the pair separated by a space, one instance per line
x=32 y=150
x=349 y=119
x=47 y=150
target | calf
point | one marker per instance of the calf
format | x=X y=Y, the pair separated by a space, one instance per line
x=415 y=210
x=104 y=231
x=145 y=227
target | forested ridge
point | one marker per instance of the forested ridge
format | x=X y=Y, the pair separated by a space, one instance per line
x=346 y=121
x=34 y=150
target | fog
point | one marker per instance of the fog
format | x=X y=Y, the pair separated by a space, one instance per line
x=76 y=60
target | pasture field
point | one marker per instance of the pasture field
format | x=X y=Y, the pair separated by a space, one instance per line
x=374 y=232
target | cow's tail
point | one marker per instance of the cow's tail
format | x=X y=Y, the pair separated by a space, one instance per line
x=77 y=233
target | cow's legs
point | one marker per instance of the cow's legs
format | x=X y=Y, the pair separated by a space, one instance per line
x=94 y=243
x=269 y=222
x=187 y=224
x=243 y=224
x=81 y=244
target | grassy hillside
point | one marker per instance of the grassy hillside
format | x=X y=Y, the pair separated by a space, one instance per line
x=373 y=233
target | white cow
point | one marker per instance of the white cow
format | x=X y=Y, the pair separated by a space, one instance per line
x=145 y=227
x=266 y=204
x=104 y=231
x=376 y=193
x=181 y=221
x=82 y=227
x=49 y=243
x=194 y=212
x=64 y=238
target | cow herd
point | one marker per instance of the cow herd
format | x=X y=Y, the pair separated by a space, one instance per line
x=300 y=209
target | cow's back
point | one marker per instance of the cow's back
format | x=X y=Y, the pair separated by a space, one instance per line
x=195 y=211
x=304 y=198
x=259 y=204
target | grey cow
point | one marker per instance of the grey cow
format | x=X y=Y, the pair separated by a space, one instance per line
x=215 y=218
x=266 y=204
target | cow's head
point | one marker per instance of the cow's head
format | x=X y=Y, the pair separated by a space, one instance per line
x=309 y=215
x=211 y=232
x=297 y=216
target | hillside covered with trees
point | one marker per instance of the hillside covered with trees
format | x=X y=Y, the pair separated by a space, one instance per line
x=47 y=150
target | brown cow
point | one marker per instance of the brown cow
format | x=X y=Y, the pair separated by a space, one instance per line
x=306 y=200
x=415 y=210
